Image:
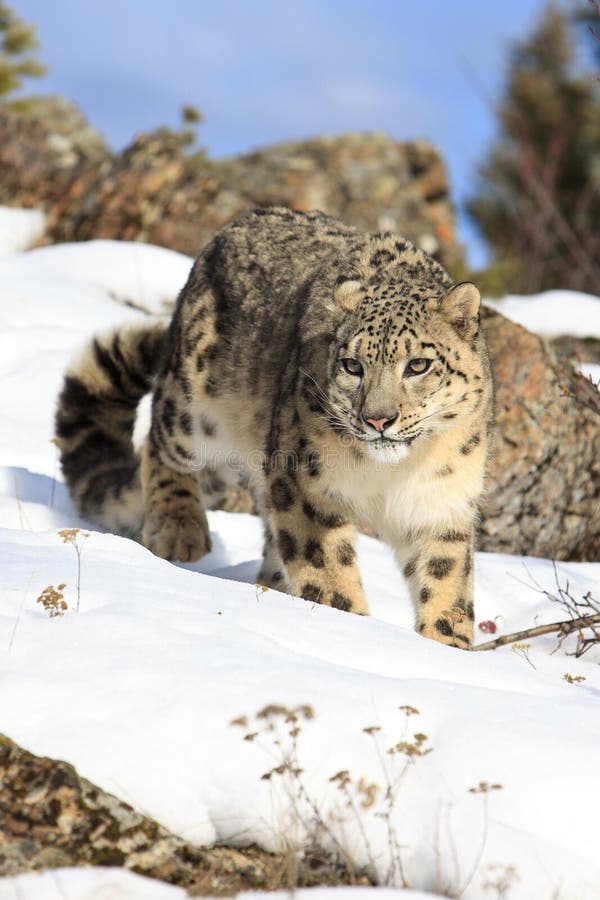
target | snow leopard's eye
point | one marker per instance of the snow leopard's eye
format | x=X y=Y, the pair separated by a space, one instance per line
x=352 y=366
x=417 y=366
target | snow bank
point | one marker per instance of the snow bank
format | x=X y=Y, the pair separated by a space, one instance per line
x=87 y=884
x=140 y=274
x=116 y=884
x=553 y=313
x=20 y=229
x=138 y=688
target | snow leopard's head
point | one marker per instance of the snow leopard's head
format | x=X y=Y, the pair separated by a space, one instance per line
x=407 y=360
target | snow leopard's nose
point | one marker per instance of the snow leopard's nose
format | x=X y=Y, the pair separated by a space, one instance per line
x=380 y=421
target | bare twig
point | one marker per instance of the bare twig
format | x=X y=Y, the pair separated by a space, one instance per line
x=584 y=614
x=563 y=628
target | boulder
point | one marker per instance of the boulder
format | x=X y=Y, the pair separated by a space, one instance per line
x=52 y=817
x=44 y=143
x=157 y=190
x=543 y=489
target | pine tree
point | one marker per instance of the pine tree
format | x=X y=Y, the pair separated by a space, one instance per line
x=538 y=199
x=17 y=43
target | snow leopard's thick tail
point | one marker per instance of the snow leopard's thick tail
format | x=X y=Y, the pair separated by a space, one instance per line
x=95 y=421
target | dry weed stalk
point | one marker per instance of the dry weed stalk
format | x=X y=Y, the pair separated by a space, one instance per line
x=76 y=537
x=277 y=729
x=522 y=649
x=311 y=833
x=483 y=790
x=19 y=612
x=409 y=751
x=315 y=837
x=23 y=522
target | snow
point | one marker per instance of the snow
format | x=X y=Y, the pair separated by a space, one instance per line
x=139 y=274
x=591 y=371
x=20 y=229
x=117 y=884
x=553 y=313
x=87 y=884
x=139 y=686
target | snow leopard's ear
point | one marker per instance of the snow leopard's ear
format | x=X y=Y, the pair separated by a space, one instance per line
x=347 y=292
x=460 y=307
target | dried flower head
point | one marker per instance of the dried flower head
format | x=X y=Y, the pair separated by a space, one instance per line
x=70 y=535
x=52 y=599
x=484 y=788
x=454 y=615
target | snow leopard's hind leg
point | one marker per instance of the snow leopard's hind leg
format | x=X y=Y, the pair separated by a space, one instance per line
x=175 y=460
x=175 y=524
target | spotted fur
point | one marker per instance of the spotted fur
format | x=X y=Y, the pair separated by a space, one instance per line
x=344 y=373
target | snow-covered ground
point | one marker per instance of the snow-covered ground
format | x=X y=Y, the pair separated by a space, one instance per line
x=553 y=313
x=20 y=229
x=139 y=686
x=116 y=884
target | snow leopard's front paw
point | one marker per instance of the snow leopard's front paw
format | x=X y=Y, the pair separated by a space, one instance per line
x=177 y=538
x=449 y=628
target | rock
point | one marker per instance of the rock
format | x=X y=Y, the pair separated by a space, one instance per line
x=543 y=493
x=367 y=180
x=582 y=349
x=157 y=191
x=44 y=143
x=52 y=817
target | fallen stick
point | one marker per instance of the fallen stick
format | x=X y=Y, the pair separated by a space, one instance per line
x=564 y=628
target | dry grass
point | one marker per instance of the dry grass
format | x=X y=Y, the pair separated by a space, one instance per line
x=326 y=840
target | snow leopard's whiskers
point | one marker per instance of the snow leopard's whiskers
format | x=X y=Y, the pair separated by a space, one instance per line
x=335 y=414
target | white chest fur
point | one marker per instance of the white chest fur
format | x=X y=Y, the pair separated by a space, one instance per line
x=433 y=487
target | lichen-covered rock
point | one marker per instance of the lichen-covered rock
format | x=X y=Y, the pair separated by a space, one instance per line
x=44 y=144
x=543 y=494
x=51 y=817
x=367 y=180
x=155 y=191
x=159 y=192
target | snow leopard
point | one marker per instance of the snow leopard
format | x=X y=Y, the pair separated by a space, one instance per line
x=343 y=373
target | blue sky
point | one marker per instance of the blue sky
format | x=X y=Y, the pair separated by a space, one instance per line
x=272 y=70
